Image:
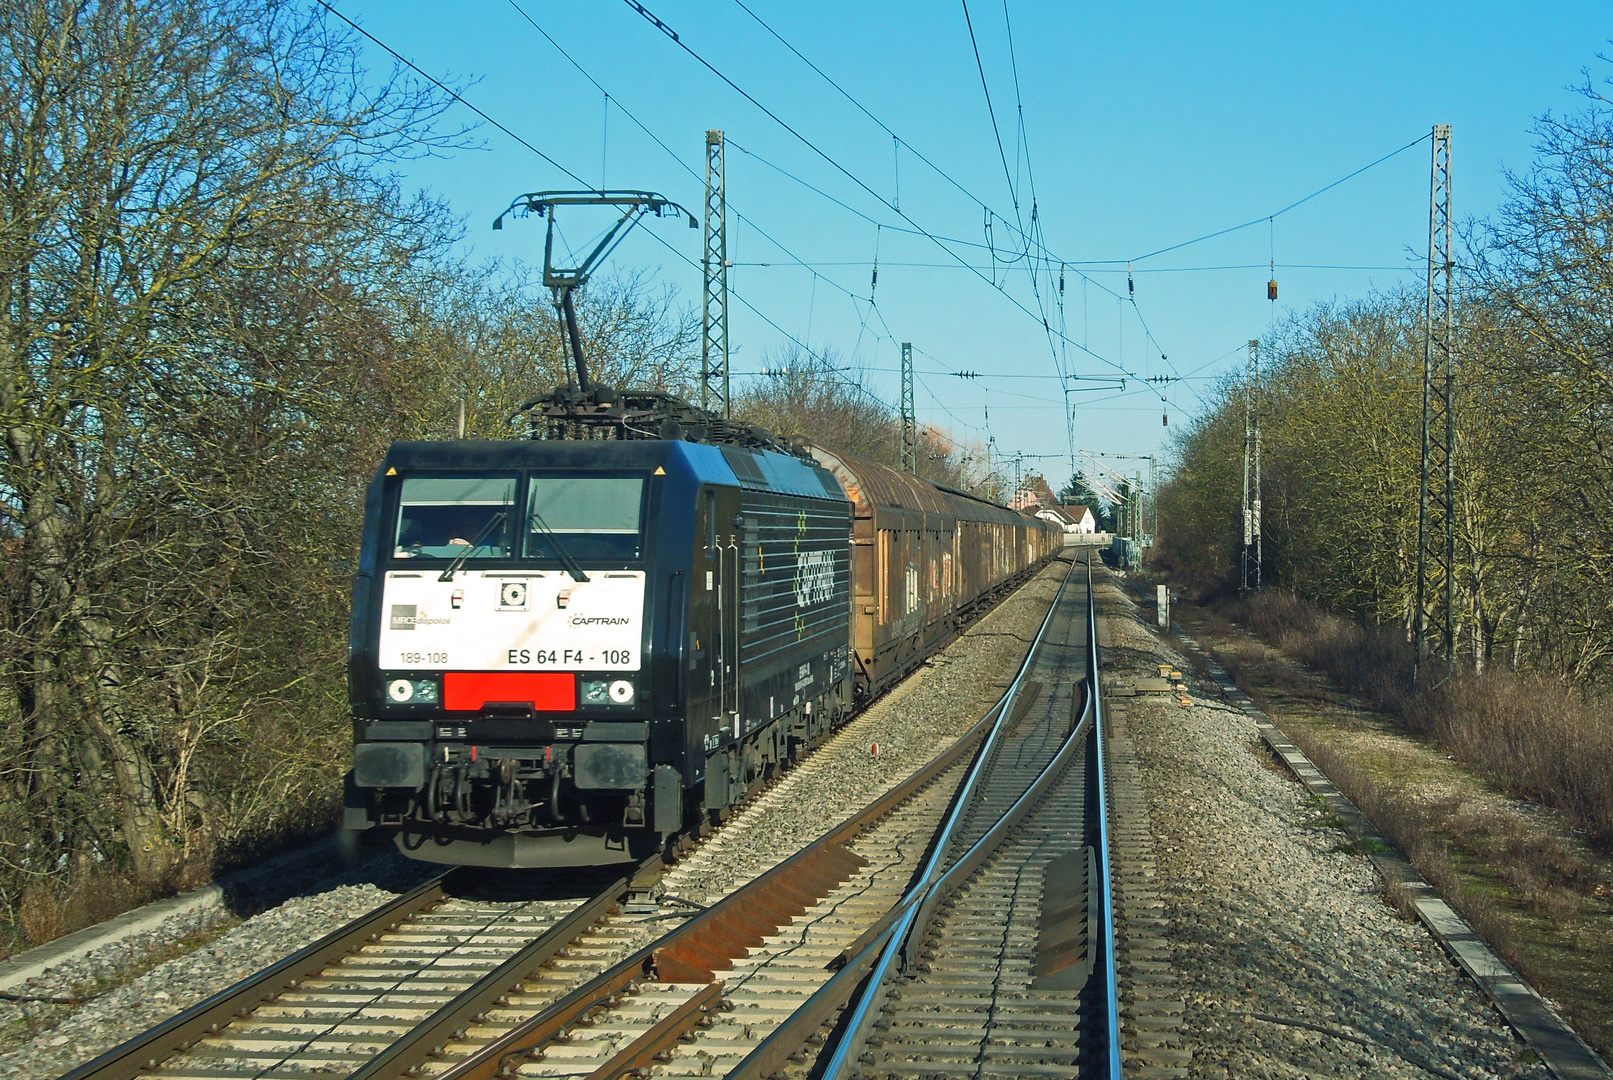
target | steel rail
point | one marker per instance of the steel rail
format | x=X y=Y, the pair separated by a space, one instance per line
x=148 y=1050
x=655 y=1045
x=1110 y=975
x=923 y=895
x=774 y=1052
x=405 y=1057
x=695 y=950
x=779 y=890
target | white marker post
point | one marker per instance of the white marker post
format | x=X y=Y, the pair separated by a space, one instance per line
x=1164 y=594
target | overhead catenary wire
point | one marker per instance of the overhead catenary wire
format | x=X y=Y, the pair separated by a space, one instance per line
x=958 y=263
x=1140 y=270
x=1030 y=239
x=1151 y=339
x=672 y=35
x=459 y=98
x=948 y=177
x=1279 y=213
x=855 y=297
x=1022 y=148
x=438 y=83
x=1011 y=176
x=569 y=173
x=1022 y=138
x=826 y=367
x=959 y=241
x=696 y=176
x=992 y=112
x=655 y=236
x=797 y=260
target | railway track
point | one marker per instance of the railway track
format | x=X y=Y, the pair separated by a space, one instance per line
x=982 y=965
x=457 y=987
x=408 y=974
x=1006 y=966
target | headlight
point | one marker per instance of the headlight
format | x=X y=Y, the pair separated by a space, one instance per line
x=413 y=691
x=600 y=692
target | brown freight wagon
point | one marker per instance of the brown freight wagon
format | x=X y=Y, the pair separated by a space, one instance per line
x=925 y=558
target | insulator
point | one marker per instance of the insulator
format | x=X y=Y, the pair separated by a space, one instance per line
x=1165 y=419
x=1271 y=289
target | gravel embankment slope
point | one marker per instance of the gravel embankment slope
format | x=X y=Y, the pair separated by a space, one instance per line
x=1274 y=926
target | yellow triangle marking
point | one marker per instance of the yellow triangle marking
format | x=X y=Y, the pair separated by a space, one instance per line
x=659 y=471
x=392 y=470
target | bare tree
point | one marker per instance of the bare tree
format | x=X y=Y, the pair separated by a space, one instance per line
x=197 y=224
x=490 y=338
x=822 y=396
x=1547 y=270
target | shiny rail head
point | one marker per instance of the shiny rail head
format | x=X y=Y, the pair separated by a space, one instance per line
x=843 y=1056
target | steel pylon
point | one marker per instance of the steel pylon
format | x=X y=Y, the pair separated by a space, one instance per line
x=714 y=297
x=910 y=440
x=1434 y=619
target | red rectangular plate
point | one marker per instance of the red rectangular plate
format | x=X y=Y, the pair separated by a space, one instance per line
x=547 y=691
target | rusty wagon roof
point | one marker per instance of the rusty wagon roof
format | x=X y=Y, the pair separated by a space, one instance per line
x=870 y=484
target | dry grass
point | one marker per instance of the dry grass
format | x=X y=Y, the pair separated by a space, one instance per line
x=1521 y=886
x=1443 y=835
x=1538 y=738
x=1535 y=737
x=46 y=911
x=1525 y=878
x=60 y=904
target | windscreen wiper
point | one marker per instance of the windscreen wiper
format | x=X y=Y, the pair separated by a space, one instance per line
x=559 y=549
x=481 y=537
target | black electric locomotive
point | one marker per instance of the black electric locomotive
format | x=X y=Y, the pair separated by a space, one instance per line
x=563 y=651
x=568 y=649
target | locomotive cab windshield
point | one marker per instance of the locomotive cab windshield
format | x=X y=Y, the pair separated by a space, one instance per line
x=448 y=517
x=588 y=518
x=591 y=518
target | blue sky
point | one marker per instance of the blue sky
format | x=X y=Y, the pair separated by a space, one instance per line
x=1143 y=126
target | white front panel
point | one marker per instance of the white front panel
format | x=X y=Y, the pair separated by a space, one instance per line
x=503 y=620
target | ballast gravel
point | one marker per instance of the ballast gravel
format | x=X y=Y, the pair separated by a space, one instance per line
x=910 y=725
x=66 y=1037
x=1290 y=960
